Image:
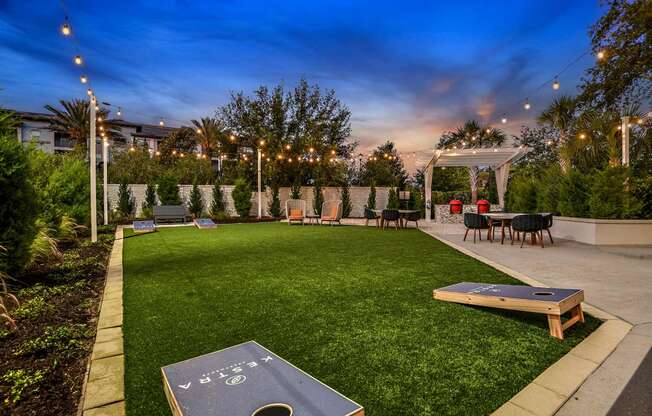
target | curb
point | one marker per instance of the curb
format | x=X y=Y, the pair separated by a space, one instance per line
x=103 y=393
x=547 y=393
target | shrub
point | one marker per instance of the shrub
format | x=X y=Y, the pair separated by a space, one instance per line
x=574 y=192
x=68 y=191
x=217 y=204
x=317 y=198
x=548 y=189
x=64 y=339
x=126 y=203
x=523 y=195
x=610 y=195
x=345 y=194
x=149 y=203
x=642 y=192
x=196 y=203
x=20 y=380
x=295 y=190
x=168 y=190
x=242 y=197
x=33 y=308
x=275 y=203
x=392 y=199
x=371 y=199
x=19 y=206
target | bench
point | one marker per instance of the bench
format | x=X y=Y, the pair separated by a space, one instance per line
x=171 y=213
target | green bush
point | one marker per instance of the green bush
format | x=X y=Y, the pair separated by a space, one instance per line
x=392 y=199
x=371 y=199
x=242 y=197
x=295 y=190
x=149 y=203
x=574 y=193
x=63 y=339
x=610 y=195
x=217 y=204
x=345 y=194
x=548 y=189
x=126 y=203
x=168 y=190
x=18 y=206
x=317 y=198
x=642 y=192
x=275 y=203
x=523 y=195
x=68 y=191
x=196 y=203
x=20 y=380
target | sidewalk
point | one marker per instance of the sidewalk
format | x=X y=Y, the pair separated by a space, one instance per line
x=617 y=280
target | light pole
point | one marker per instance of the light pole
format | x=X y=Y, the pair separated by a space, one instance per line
x=93 y=168
x=105 y=156
x=260 y=195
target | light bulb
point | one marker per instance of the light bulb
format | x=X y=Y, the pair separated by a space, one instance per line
x=132 y=149
x=503 y=120
x=262 y=142
x=311 y=150
x=83 y=79
x=555 y=85
x=288 y=147
x=66 y=30
x=232 y=138
x=198 y=131
x=488 y=130
x=78 y=60
x=290 y=160
x=89 y=92
x=526 y=105
x=601 y=55
x=161 y=123
x=174 y=152
x=99 y=119
x=158 y=153
x=332 y=152
x=119 y=113
x=582 y=136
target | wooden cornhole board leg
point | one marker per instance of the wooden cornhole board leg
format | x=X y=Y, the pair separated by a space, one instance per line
x=557 y=328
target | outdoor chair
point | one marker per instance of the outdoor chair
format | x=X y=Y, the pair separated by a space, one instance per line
x=477 y=223
x=412 y=216
x=529 y=223
x=547 y=224
x=295 y=210
x=331 y=211
x=391 y=215
x=371 y=215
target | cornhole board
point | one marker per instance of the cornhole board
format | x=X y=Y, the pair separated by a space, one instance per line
x=249 y=380
x=144 y=227
x=553 y=302
x=204 y=223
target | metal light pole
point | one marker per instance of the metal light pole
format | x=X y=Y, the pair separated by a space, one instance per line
x=93 y=137
x=105 y=156
x=625 y=133
x=260 y=195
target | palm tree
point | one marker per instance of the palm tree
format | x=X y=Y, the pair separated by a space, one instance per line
x=74 y=121
x=208 y=131
x=560 y=115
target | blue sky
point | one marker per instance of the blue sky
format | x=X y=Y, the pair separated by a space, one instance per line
x=407 y=70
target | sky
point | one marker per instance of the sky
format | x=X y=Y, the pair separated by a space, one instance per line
x=407 y=70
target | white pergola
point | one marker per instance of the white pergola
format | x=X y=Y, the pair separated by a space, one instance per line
x=498 y=159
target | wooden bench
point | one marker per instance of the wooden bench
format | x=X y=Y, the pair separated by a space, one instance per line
x=171 y=213
x=553 y=302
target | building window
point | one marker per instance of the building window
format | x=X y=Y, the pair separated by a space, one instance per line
x=35 y=135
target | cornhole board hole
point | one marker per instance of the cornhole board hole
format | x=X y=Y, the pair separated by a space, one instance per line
x=144 y=227
x=249 y=380
x=553 y=302
x=204 y=223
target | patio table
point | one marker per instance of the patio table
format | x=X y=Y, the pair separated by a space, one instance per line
x=505 y=219
x=401 y=212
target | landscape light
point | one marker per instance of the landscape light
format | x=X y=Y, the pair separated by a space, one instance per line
x=83 y=79
x=66 y=30
x=78 y=60
x=555 y=85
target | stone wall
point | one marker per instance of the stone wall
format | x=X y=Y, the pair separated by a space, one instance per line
x=359 y=197
x=444 y=216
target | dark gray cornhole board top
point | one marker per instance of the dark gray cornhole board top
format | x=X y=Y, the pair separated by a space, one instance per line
x=547 y=294
x=238 y=380
x=143 y=226
x=205 y=223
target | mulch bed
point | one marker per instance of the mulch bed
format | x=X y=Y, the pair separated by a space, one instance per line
x=43 y=362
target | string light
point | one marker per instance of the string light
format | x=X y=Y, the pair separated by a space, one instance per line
x=83 y=79
x=174 y=152
x=89 y=92
x=290 y=159
x=161 y=123
x=504 y=119
x=555 y=84
x=78 y=60
x=601 y=55
x=332 y=152
x=198 y=131
x=181 y=155
x=132 y=149
x=99 y=119
x=488 y=130
x=261 y=143
x=288 y=147
x=66 y=30
x=311 y=150
x=582 y=136
x=158 y=153
x=119 y=113
x=527 y=104
x=232 y=138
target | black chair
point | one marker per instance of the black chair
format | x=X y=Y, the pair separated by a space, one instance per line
x=371 y=215
x=547 y=223
x=528 y=223
x=412 y=216
x=475 y=222
x=391 y=215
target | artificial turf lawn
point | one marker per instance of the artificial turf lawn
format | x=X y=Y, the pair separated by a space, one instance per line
x=351 y=306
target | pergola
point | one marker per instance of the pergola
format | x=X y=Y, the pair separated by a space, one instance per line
x=498 y=159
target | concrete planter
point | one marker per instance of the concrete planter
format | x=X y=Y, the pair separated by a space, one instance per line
x=603 y=232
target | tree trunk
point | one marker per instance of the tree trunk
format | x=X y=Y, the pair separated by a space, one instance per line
x=473 y=177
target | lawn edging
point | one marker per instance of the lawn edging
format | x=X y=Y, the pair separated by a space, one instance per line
x=547 y=393
x=103 y=393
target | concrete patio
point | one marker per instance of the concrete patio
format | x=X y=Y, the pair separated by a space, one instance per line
x=615 y=279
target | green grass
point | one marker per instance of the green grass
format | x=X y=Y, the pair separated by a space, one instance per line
x=352 y=306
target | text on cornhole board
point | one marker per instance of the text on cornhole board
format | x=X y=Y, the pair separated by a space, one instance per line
x=547 y=300
x=144 y=226
x=205 y=223
x=239 y=380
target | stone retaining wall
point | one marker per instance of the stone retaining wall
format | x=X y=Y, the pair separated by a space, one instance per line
x=443 y=214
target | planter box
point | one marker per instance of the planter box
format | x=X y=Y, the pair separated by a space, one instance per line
x=603 y=232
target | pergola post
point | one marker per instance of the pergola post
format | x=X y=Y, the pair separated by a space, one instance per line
x=473 y=177
x=428 y=191
x=502 y=176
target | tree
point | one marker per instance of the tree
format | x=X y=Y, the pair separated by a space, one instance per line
x=196 y=203
x=624 y=73
x=209 y=132
x=345 y=194
x=150 y=200
x=542 y=141
x=168 y=190
x=19 y=207
x=181 y=143
x=560 y=115
x=74 y=121
x=133 y=166
x=472 y=135
x=305 y=123
x=317 y=198
x=392 y=199
x=275 y=203
x=126 y=203
x=371 y=199
x=217 y=203
x=295 y=190
x=242 y=197
x=384 y=167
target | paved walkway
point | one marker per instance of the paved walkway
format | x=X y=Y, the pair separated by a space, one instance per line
x=615 y=279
